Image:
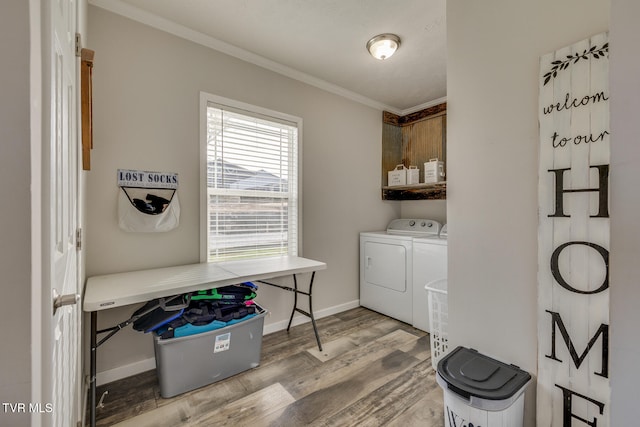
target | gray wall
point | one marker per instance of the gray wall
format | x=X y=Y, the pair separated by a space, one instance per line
x=15 y=209
x=625 y=206
x=146 y=95
x=493 y=50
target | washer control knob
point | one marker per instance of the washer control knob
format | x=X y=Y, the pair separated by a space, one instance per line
x=412 y=223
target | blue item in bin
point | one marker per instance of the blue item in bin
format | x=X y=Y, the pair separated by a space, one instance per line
x=204 y=316
x=251 y=285
x=189 y=329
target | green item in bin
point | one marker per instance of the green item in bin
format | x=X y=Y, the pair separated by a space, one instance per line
x=227 y=293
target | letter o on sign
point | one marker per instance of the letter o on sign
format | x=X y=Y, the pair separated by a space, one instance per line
x=555 y=269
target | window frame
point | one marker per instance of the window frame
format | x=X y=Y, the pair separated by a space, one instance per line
x=233 y=105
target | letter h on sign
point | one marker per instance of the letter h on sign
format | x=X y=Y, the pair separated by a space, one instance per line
x=603 y=192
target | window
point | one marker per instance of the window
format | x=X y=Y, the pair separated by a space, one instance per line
x=250 y=181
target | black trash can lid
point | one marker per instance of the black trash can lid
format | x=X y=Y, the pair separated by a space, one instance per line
x=470 y=373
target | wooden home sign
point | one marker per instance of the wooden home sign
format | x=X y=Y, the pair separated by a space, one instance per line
x=573 y=236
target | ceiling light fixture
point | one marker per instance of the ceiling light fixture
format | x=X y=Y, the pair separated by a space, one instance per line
x=383 y=46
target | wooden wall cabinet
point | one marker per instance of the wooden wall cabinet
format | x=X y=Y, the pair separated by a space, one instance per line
x=412 y=140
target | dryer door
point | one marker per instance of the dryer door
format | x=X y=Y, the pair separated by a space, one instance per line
x=385 y=265
x=385 y=277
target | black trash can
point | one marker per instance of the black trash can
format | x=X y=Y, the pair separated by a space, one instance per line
x=480 y=391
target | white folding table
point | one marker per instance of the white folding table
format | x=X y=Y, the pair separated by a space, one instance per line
x=120 y=289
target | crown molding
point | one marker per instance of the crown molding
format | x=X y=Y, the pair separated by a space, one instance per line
x=124 y=9
x=421 y=106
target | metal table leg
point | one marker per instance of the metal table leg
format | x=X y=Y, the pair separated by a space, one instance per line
x=92 y=374
x=93 y=357
x=296 y=291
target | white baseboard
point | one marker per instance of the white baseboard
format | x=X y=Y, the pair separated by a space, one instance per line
x=300 y=319
x=125 y=371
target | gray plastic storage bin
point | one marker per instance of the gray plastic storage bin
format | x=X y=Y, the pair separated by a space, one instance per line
x=190 y=362
x=481 y=391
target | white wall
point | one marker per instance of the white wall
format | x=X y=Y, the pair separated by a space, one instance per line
x=15 y=210
x=430 y=209
x=493 y=50
x=625 y=206
x=146 y=92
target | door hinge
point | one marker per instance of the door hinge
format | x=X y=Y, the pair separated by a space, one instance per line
x=79 y=239
x=78 y=44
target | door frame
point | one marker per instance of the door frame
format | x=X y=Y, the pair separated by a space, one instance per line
x=35 y=76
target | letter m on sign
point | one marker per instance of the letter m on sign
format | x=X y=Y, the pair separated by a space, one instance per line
x=603 y=330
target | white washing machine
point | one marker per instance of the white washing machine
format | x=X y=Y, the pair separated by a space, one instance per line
x=386 y=266
x=429 y=264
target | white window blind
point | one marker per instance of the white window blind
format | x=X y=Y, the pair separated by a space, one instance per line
x=252 y=184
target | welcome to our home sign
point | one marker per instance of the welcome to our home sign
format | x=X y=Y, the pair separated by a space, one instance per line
x=573 y=236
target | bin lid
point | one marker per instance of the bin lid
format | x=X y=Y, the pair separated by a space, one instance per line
x=470 y=373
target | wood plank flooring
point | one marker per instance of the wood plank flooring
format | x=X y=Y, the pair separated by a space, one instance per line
x=373 y=371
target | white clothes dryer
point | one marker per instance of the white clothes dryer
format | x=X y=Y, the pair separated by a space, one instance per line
x=386 y=266
x=429 y=264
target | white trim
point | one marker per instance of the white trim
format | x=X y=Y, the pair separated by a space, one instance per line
x=249 y=108
x=299 y=166
x=299 y=319
x=35 y=71
x=115 y=374
x=140 y=366
x=423 y=106
x=203 y=176
x=121 y=8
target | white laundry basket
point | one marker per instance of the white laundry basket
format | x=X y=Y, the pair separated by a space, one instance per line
x=438 y=319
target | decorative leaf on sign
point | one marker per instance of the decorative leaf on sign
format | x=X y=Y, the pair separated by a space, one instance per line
x=559 y=65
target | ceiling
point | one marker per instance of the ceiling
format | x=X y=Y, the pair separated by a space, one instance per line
x=321 y=42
